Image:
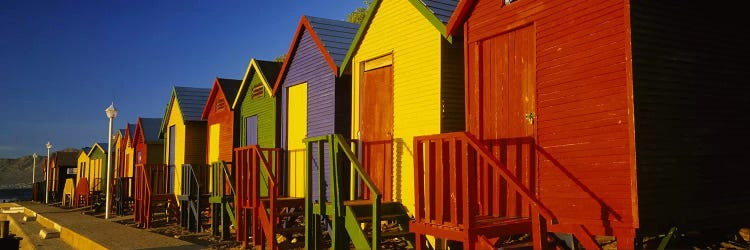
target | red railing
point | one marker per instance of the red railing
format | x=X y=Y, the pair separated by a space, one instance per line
x=256 y=167
x=458 y=179
x=150 y=180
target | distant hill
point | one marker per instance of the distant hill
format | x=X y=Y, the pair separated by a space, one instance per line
x=16 y=173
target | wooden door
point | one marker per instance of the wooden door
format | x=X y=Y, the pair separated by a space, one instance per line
x=377 y=127
x=251 y=130
x=296 y=133
x=502 y=95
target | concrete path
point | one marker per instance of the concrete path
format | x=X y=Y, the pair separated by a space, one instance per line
x=88 y=232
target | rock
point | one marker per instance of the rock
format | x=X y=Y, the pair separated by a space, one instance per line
x=745 y=234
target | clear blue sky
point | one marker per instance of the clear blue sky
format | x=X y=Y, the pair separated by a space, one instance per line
x=63 y=62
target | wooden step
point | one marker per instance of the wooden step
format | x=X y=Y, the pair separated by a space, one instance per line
x=383 y=217
x=394 y=234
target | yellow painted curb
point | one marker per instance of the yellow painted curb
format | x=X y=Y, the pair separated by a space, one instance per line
x=68 y=236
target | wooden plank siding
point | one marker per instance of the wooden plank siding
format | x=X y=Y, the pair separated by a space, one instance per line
x=582 y=116
x=184 y=113
x=218 y=110
x=260 y=74
x=147 y=143
x=427 y=82
x=690 y=89
x=310 y=61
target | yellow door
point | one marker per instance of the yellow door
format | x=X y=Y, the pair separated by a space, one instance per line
x=296 y=132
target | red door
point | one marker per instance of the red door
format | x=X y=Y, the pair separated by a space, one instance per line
x=377 y=127
x=502 y=99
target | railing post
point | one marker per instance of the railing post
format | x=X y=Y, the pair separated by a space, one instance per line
x=418 y=180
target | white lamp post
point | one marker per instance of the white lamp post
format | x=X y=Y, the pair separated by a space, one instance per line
x=33 y=171
x=46 y=176
x=111 y=114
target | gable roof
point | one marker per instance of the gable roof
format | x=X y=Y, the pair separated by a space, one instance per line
x=333 y=38
x=437 y=12
x=120 y=133
x=84 y=151
x=228 y=87
x=149 y=128
x=191 y=101
x=130 y=130
x=268 y=72
x=459 y=15
x=99 y=145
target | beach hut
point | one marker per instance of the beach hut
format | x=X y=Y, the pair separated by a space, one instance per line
x=219 y=116
x=97 y=169
x=62 y=166
x=314 y=99
x=160 y=186
x=596 y=118
x=221 y=140
x=258 y=128
x=118 y=158
x=407 y=80
x=148 y=147
x=129 y=150
x=184 y=132
x=81 y=197
x=124 y=186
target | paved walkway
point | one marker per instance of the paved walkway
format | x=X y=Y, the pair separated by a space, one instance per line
x=89 y=232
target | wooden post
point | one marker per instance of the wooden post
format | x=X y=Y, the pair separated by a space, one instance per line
x=4 y=229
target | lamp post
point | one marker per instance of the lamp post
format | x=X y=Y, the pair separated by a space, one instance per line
x=46 y=176
x=111 y=114
x=33 y=171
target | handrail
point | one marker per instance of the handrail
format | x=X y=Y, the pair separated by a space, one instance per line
x=460 y=145
x=268 y=218
x=336 y=142
x=228 y=176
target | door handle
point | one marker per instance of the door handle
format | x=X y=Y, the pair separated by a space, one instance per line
x=530 y=117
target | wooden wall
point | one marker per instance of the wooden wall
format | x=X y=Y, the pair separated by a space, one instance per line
x=583 y=121
x=690 y=76
x=264 y=108
x=225 y=118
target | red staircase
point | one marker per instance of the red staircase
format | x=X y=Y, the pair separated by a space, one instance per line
x=261 y=210
x=464 y=193
x=151 y=193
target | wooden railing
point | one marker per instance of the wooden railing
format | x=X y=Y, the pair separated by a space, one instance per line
x=222 y=198
x=194 y=186
x=150 y=180
x=123 y=194
x=458 y=178
x=256 y=166
x=337 y=144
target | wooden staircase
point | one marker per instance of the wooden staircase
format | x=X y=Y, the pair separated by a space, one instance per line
x=464 y=193
x=123 y=195
x=194 y=206
x=152 y=194
x=222 y=199
x=273 y=221
x=352 y=222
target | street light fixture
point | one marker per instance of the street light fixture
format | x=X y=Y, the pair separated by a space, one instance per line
x=46 y=176
x=111 y=114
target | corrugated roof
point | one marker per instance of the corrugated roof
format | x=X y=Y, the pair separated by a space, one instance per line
x=191 y=101
x=151 y=128
x=443 y=9
x=335 y=35
x=230 y=87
